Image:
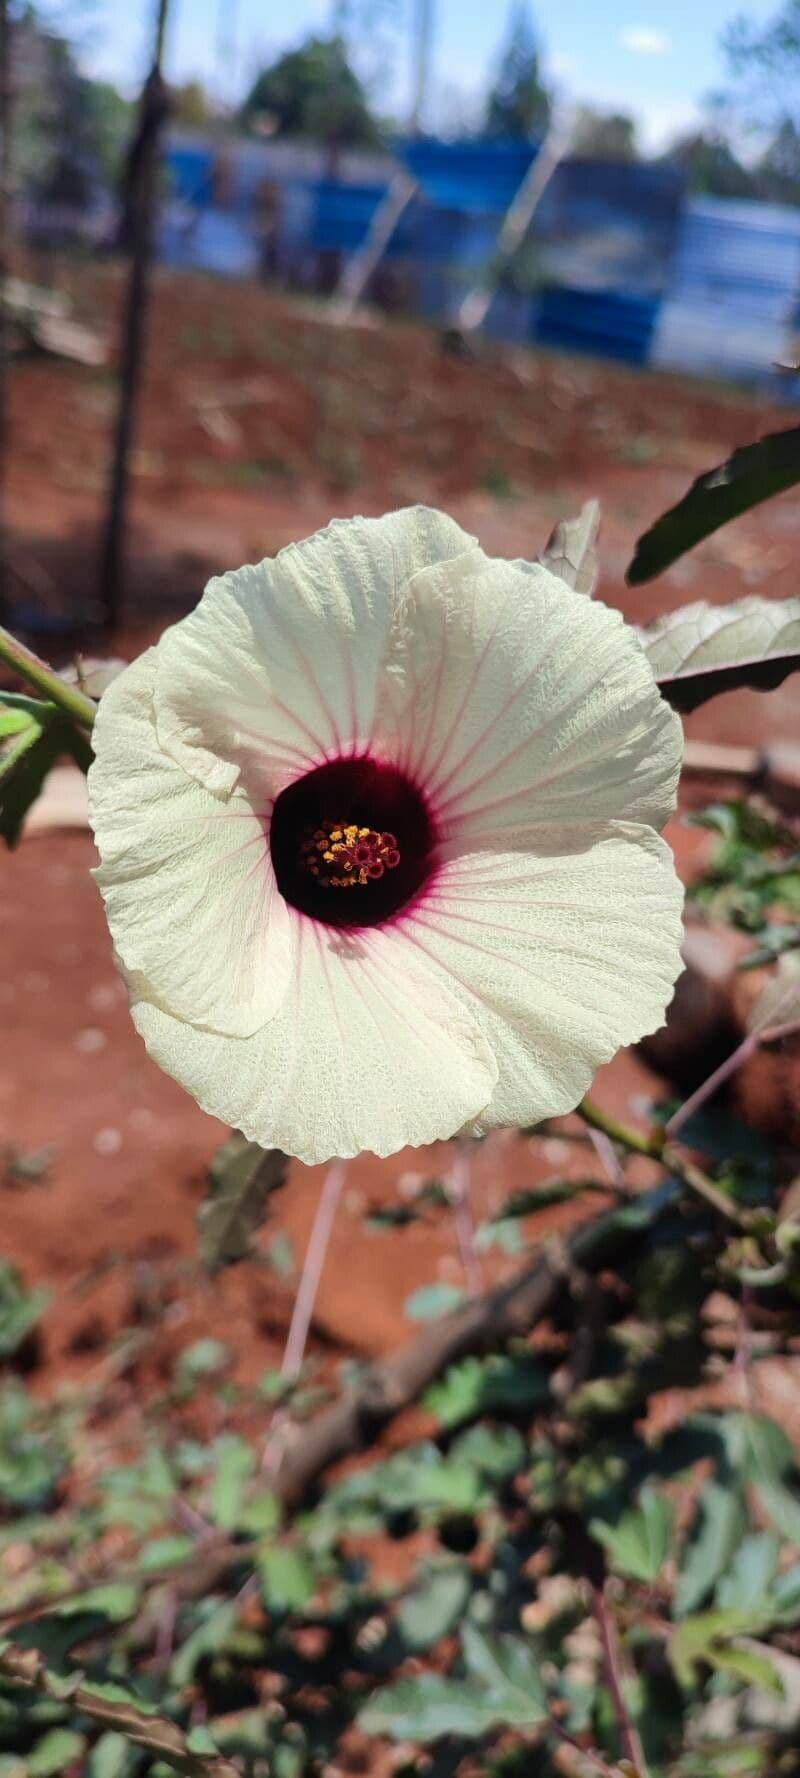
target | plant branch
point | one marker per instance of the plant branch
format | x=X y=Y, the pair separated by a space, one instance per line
x=736 y=1060
x=612 y=1666
x=657 y=1148
x=35 y=672
x=156 y=1734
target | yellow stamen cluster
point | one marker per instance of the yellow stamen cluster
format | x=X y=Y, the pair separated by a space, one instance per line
x=358 y=855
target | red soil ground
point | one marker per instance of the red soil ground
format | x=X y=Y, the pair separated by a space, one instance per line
x=260 y=421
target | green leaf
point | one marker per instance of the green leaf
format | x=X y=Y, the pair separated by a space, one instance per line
x=484 y=1385
x=748 y=1665
x=497 y=1452
x=435 y=1606
x=14 y=722
x=243 y=1177
x=722 y=1525
x=769 y=1463
x=503 y=1232
x=20 y=1310
x=200 y=1740
x=503 y=1690
x=753 y=473
x=57 y=1750
x=753 y=1569
x=638 y=1543
x=693 y=1640
x=205 y=1358
x=426 y=1709
x=234 y=1466
x=702 y=650
x=506 y=1665
x=111 y=1757
x=433 y=1300
x=116 y=1600
x=209 y=1638
x=288 y=1580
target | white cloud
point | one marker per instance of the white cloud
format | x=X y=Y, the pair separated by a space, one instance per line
x=645 y=40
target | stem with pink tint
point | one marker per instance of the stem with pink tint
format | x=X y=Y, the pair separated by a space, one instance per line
x=297 y=1337
x=318 y=1240
x=747 y=1048
x=460 y=1193
x=612 y=1667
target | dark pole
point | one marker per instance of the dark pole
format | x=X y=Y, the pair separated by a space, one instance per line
x=6 y=106
x=139 y=197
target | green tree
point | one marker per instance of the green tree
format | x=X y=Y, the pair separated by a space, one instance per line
x=312 y=91
x=764 y=64
x=69 y=131
x=605 y=135
x=778 y=170
x=191 y=105
x=519 y=103
x=710 y=165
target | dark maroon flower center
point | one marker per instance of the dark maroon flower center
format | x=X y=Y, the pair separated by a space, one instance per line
x=352 y=842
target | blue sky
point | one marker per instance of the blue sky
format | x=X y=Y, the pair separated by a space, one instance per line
x=655 y=58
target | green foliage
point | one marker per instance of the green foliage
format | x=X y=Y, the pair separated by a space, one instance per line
x=437 y=1592
x=755 y=872
x=637 y=1546
x=312 y=91
x=20 y=1310
x=33 y=736
x=501 y=1687
x=433 y=1300
x=518 y=103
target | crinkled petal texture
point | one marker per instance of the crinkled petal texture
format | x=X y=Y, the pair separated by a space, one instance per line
x=547 y=933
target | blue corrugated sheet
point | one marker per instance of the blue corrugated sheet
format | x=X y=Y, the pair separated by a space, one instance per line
x=342 y=215
x=605 y=323
x=467 y=176
x=625 y=268
x=734 y=289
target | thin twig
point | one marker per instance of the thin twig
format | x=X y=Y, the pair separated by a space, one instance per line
x=657 y=1148
x=159 y=1737
x=612 y=1667
x=736 y=1060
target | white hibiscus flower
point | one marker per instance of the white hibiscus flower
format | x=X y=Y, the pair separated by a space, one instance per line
x=378 y=836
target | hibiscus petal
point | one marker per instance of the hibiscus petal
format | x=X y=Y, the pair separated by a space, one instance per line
x=564 y=957
x=370 y=1051
x=525 y=702
x=281 y=666
x=187 y=881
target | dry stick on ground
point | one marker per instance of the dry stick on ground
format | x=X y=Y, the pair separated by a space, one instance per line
x=156 y=1734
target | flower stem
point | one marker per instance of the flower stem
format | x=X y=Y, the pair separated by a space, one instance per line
x=35 y=672
x=657 y=1148
x=312 y=1271
x=294 y=1350
x=460 y=1183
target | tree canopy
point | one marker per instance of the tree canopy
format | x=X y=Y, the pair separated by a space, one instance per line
x=312 y=91
x=519 y=103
